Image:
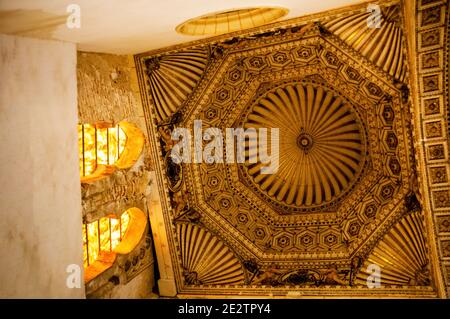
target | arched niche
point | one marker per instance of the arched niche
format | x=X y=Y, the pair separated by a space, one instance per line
x=109 y=236
x=104 y=147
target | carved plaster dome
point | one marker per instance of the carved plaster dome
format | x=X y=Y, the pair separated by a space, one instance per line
x=321 y=148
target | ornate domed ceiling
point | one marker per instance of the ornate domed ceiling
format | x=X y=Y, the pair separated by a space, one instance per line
x=344 y=194
x=322 y=145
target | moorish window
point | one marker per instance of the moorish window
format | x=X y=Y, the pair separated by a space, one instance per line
x=108 y=236
x=104 y=147
x=103 y=235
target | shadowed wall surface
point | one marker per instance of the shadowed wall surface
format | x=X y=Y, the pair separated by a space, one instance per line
x=40 y=204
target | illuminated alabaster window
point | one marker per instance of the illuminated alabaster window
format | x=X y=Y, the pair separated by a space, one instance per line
x=99 y=145
x=104 y=147
x=103 y=236
x=103 y=239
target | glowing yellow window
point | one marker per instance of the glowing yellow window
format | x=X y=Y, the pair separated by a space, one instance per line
x=103 y=236
x=108 y=236
x=104 y=147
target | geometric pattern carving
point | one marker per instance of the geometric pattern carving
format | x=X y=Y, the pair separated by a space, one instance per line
x=432 y=106
x=436 y=152
x=441 y=198
x=443 y=223
x=430 y=60
x=438 y=175
x=431 y=83
x=433 y=129
x=433 y=123
x=298 y=78
x=430 y=39
x=445 y=244
x=432 y=16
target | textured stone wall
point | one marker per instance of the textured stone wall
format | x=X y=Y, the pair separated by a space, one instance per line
x=104 y=89
x=108 y=92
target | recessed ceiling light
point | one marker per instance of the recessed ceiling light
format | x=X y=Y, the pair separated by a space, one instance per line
x=231 y=20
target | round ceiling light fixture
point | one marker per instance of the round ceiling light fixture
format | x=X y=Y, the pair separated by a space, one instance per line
x=231 y=20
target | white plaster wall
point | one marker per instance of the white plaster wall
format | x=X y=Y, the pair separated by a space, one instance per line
x=40 y=202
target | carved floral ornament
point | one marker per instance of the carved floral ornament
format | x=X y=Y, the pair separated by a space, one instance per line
x=344 y=196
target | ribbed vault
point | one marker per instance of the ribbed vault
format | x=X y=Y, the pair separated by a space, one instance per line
x=321 y=144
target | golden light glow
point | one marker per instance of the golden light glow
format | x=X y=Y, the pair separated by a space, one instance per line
x=103 y=235
x=103 y=148
x=99 y=146
x=231 y=20
x=103 y=239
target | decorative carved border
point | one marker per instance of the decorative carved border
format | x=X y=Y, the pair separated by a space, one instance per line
x=432 y=122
